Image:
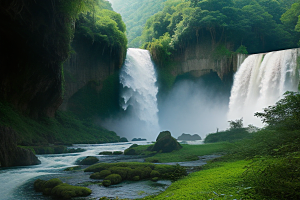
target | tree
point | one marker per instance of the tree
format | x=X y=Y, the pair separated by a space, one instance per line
x=236 y=124
x=285 y=113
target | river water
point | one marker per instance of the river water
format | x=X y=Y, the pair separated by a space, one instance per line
x=17 y=182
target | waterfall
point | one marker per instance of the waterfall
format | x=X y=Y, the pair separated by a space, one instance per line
x=138 y=94
x=261 y=81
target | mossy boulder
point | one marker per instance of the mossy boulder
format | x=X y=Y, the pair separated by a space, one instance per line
x=189 y=137
x=117 y=153
x=100 y=175
x=90 y=160
x=131 y=150
x=123 y=139
x=114 y=179
x=165 y=143
x=58 y=189
x=75 y=168
x=107 y=153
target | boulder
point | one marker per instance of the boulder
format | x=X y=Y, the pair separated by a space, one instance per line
x=165 y=143
x=138 y=139
x=12 y=155
x=189 y=137
x=90 y=160
x=123 y=139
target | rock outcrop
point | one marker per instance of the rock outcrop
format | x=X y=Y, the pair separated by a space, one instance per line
x=165 y=143
x=189 y=137
x=203 y=58
x=11 y=154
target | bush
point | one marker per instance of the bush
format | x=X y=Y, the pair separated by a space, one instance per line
x=90 y=160
x=274 y=178
x=122 y=171
x=114 y=179
x=136 y=178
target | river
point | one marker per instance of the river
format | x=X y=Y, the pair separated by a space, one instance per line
x=17 y=182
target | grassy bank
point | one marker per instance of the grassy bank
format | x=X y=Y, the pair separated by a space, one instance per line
x=64 y=128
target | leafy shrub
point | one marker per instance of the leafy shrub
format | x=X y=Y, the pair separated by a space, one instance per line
x=114 y=178
x=90 y=160
x=274 y=178
x=228 y=136
x=155 y=179
x=122 y=171
x=136 y=178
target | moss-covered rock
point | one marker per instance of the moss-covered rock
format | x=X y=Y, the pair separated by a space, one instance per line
x=67 y=191
x=75 y=168
x=117 y=153
x=100 y=175
x=58 y=189
x=165 y=143
x=123 y=139
x=107 y=153
x=90 y=160
x=106 y=183
x=114 y=178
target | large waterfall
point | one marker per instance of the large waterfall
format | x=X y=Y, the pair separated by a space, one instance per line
x=261 y=81
x=138 y=78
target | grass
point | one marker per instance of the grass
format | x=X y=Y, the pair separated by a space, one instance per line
x=222 y=182
x=65 y=128
x=189 y=152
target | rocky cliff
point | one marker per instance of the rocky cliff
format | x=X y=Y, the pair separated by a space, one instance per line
x=85 y=68
x=201 y=59
x=11 y=154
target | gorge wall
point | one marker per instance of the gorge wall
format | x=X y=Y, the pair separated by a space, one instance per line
x=204 y=58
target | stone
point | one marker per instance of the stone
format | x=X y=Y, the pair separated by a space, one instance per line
x=189 y=137
x=165 y=143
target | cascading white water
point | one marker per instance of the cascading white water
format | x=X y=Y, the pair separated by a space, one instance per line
x=138 y=78
x=260 y=82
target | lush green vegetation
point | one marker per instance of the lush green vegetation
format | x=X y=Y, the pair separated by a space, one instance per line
x=187 y=153
x=58 y=189
x=135 y=14
x=255 y=24
x=65 y=128
x=265 y=165
x=114 y=173
x=220 y=182
x=228 y=135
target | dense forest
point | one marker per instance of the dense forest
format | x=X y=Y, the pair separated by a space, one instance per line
x=247 y=25
x=135 y=14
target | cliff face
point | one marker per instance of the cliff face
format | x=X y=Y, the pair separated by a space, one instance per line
x=202 y=59
x=85 y=67
x=11 y=154
x=33 y=47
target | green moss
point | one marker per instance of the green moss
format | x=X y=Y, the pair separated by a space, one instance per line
x=114 y=179
x=57 y=188
x=106 y=153
x=90 y=160
x=76 y=168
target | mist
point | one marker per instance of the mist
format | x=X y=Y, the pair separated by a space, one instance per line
x=193 y=107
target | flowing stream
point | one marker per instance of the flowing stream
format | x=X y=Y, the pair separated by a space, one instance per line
x=17 y=182
x=261 y=81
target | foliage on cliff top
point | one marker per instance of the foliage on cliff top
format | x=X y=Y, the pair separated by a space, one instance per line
x=255 y=24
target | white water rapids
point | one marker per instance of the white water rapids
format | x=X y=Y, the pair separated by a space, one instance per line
x=261 y=81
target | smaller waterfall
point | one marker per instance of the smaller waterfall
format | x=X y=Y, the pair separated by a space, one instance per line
x=138 y=78
x=260 y=82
